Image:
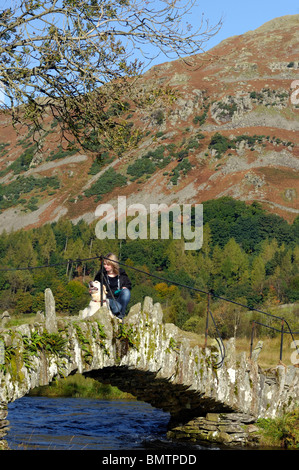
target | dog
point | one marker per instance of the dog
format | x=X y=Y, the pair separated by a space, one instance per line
x=95 y=303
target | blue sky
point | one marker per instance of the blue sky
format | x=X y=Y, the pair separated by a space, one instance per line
x=238 y=17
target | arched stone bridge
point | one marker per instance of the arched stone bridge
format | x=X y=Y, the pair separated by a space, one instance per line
x=156 y=362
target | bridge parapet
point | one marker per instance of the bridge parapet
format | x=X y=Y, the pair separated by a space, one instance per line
x=155 y=361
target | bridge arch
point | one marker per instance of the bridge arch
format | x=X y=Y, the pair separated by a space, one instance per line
x=153 y=360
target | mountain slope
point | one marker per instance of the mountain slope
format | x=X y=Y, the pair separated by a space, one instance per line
x=232 y=130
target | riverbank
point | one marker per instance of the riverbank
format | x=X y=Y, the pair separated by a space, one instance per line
x=78 y=386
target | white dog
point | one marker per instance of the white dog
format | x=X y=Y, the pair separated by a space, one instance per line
x=95 y=303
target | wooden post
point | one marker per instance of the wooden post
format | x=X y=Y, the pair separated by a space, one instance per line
x=281 y=339
x=207 y=321
x=252 y=335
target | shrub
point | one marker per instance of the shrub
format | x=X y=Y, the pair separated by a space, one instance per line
x=282 y=431
x=106 y=183
x=148 y=164
x=10 y=193
x=140 y=167
x=200 y=119
x=220 y=143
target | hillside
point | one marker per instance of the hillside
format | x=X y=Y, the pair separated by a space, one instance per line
x=232 y=130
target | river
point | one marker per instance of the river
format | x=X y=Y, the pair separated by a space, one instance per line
x=41 y=423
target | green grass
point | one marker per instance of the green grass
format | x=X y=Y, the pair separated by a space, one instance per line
x=79 y=386
x=280 y=432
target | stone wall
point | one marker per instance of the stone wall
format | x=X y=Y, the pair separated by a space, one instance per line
x=224 y=429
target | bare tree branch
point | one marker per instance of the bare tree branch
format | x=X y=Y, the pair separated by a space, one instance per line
x=77 y=58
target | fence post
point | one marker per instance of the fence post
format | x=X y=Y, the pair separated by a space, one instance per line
x=207 y=320
x=281 y=340
x=252 y=335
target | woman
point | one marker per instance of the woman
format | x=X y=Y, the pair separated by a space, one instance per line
x=118 y=285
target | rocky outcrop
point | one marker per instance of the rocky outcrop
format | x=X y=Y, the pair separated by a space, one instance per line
x=156 y=362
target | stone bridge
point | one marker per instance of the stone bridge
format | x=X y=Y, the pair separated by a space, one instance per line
x=156 y=362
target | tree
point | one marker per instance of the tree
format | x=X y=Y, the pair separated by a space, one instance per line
x=295 y=229
x=178 y=310
x=47 y=242
x=234 y=266
x=165 y=291
x=77 y=60
x=79 y=297
x=258 y=274
x=63 y=230
x=20 y=253
x=24 y=303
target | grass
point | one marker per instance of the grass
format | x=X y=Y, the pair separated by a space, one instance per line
x=270 y=352
x=79 y=386
x=280 y=432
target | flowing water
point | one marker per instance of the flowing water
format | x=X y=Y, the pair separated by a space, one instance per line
x=39 y=423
